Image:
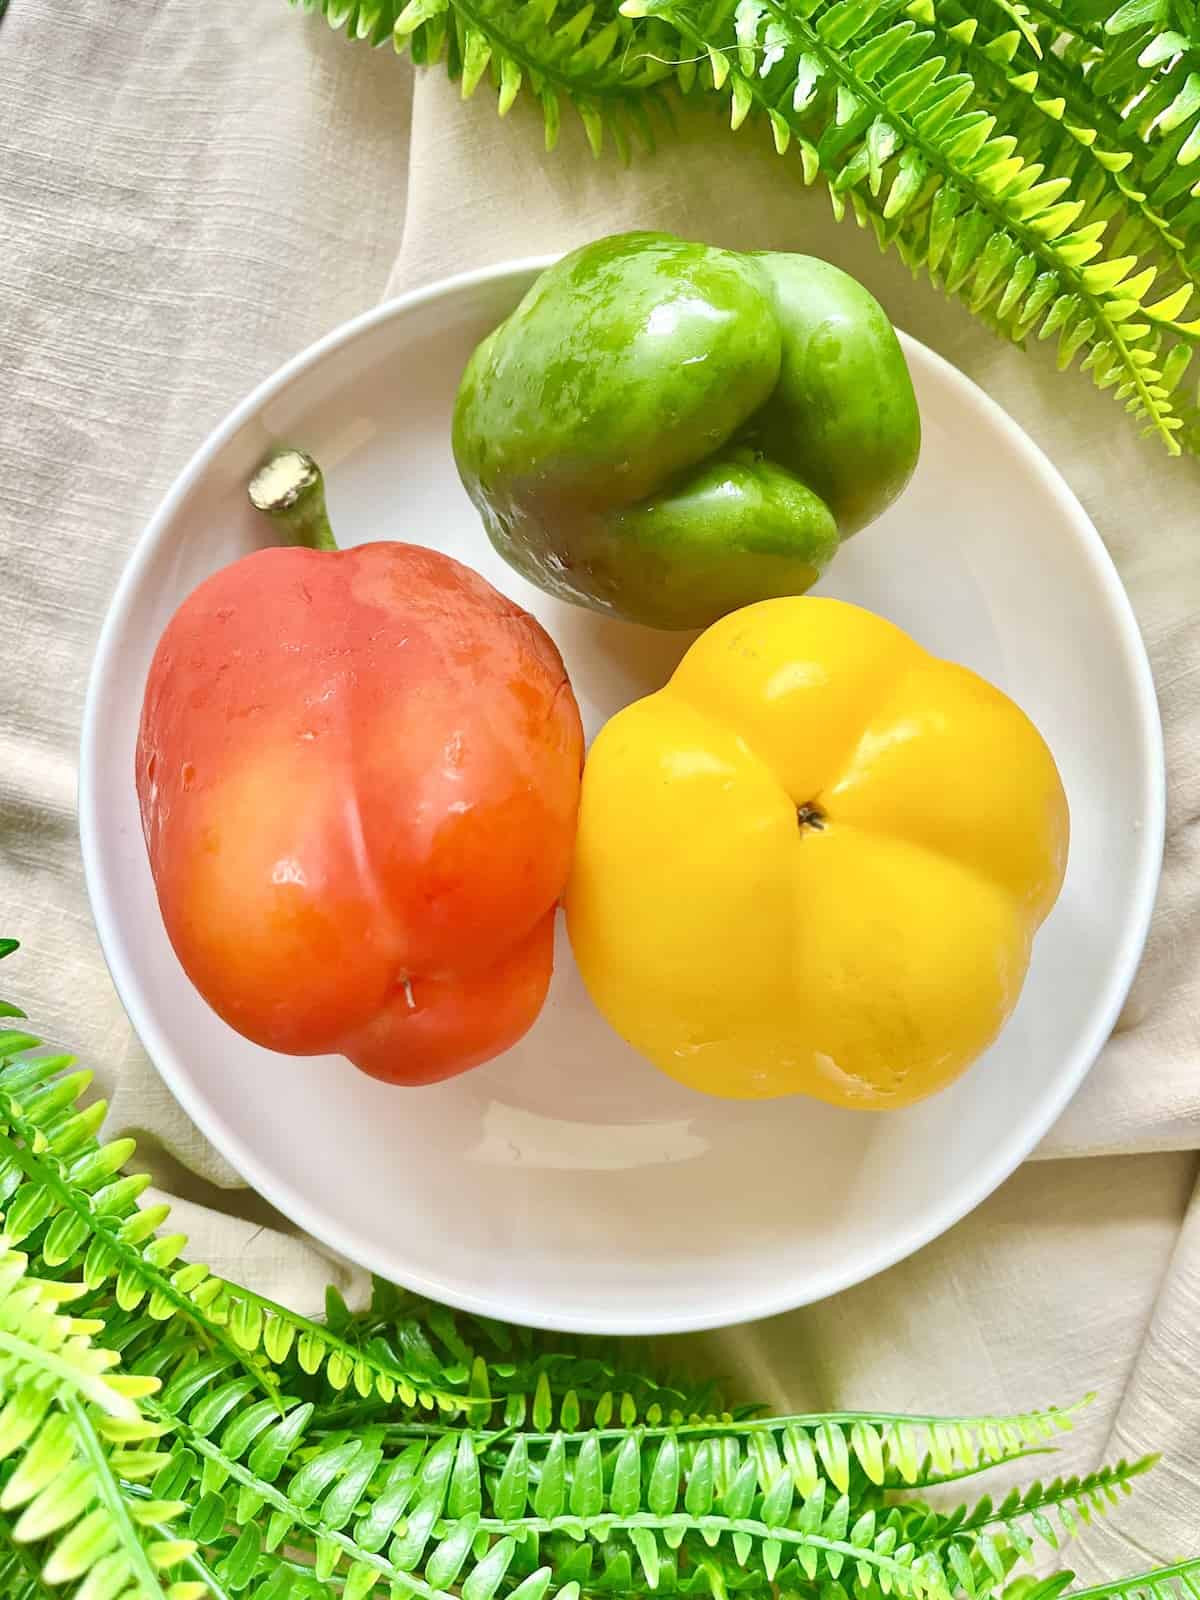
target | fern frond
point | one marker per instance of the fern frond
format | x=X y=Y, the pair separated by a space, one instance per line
x=1023 y=1516
x=1143 y=195
x=58 y=1188
x=72 y=1435
x=873 y=109
x=549 y=1524
x=846 y=1450
x=699 y=1509
x=1057 y=121
x=592 y=60
x=1180 y=1581
x=564 y=1382
x=1064 y=145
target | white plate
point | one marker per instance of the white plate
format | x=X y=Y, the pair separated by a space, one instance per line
x=568 y=1184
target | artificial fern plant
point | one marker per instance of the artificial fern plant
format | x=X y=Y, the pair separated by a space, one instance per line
x=1040 y=159
x=167 y=1435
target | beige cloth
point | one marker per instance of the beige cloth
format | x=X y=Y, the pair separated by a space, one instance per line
x=188 y=195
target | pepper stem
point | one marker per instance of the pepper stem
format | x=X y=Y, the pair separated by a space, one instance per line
x=289 y=488
x=810 y=815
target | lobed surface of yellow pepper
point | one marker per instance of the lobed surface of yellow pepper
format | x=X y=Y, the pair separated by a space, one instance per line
x=814 y=863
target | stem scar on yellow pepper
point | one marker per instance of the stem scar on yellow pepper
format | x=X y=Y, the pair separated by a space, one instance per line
x=814 y=863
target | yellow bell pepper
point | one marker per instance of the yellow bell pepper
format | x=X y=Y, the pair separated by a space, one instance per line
x=815 y=861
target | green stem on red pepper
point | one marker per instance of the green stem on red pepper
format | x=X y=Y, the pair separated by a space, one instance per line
x=290 y=489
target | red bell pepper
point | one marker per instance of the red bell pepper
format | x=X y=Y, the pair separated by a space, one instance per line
x=358 y=773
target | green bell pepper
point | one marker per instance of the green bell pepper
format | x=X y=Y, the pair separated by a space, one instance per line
x=666 y=431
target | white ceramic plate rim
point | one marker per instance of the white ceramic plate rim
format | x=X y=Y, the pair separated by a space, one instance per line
x=295 y=1204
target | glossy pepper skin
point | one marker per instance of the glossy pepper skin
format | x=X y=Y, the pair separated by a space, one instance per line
x=814 y=863
x=358 y=774
x=667 y=431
